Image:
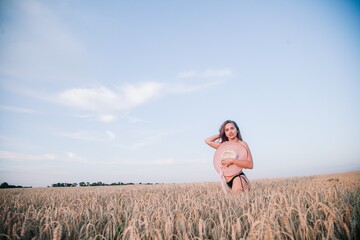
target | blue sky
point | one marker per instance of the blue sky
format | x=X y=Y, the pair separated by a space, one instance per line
x=128 y=90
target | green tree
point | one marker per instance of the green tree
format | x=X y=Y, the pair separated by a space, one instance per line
x=4 y=185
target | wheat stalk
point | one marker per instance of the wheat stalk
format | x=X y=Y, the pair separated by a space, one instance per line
x=299 y=208
x=57 y=232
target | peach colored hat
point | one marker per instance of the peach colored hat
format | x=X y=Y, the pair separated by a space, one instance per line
x=229 y=150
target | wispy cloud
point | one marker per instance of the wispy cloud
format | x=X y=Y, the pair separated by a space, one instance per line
x=74 y=157
x=106 y=104
x=17 y=109
x=151 y=139
x=103 y=99
x=71 y=156
x=132 y=119
x=184 y=88
x=107 y=118
x=111 y=135
x=89 y=98
x=208 y=73
x=143 y=142
x=161 y=162
x=138 y=94
x=110 y=117
x=25 y=157
x=152 y=162
x=90 y=135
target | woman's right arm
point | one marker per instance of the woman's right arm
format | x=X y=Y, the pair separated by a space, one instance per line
x=211 y=141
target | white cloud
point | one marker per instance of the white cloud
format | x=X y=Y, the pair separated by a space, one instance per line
x=139 y=94
x=132 y=119
x=211 y=73
x=153 y=162
x=97 y=117
x=89 y=98
x=183 y=88
x=16 y=109
x=102 y=99
x=107 y=118
x=103 y=104
x=73 y=157
x=21 y=156
x=187 y=74
x=208 y=73
x=111 y=135
x=142 y=143
x=107 y=101
x=162 y=162
x=151 y=139
x=90 y=136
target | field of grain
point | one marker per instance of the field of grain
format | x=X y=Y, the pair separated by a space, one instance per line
x=319 y=207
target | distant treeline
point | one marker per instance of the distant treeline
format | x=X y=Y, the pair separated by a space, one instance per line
x=88 y=184
x=6 y=185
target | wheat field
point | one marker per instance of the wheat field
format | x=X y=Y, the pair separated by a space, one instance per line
x=318 y=207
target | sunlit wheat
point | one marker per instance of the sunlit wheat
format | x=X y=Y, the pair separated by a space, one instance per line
x=319 y=207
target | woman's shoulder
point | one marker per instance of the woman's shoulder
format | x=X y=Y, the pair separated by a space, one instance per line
x=243 y=143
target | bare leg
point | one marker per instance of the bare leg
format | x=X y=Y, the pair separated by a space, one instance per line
x=240 y=184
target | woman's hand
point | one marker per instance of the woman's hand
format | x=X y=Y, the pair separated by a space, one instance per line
x=227 y=162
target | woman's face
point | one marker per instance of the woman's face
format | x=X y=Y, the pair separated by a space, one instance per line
x=230 y=131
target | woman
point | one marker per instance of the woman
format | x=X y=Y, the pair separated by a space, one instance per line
x=229 y=131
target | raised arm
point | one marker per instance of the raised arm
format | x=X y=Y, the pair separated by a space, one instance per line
x=211 y=141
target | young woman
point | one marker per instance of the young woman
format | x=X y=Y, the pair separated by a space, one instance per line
x=229 y=131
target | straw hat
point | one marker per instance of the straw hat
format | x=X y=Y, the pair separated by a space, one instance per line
x=229 y=150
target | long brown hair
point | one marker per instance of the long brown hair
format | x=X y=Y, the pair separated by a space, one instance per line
x=222 y=134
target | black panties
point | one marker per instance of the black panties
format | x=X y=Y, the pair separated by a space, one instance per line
x=230 y=183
